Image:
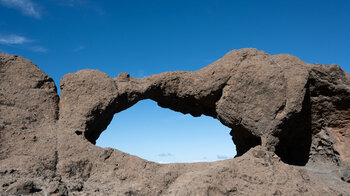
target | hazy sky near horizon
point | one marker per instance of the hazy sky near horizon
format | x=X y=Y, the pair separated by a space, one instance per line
x=144 y=37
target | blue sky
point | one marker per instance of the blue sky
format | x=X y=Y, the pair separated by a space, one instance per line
x=144 y=37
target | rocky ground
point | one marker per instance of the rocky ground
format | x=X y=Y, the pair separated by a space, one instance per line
x=290 y=123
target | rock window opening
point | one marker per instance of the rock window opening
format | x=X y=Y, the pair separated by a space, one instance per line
x=165 y=136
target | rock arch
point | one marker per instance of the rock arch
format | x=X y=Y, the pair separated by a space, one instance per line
x=296 y=110
x=162 y=135
x=264 y=99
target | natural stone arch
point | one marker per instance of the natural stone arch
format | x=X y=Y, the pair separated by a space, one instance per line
x=164 y=136
x=52 y=153
x=97 y=117
x=257 y=95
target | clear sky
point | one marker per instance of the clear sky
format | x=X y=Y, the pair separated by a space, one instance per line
x=144 y=37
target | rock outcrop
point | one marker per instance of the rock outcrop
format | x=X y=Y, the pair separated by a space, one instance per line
x=290 y=123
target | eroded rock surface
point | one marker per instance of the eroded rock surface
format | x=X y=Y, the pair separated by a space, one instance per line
x=290 y=123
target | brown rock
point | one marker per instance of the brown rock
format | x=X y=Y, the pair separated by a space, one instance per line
x=282 y=112
x=28 y=115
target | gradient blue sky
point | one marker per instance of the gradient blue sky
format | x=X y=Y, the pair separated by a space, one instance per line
x=144 y=37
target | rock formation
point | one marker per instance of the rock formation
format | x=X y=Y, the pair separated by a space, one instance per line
x=290 y=123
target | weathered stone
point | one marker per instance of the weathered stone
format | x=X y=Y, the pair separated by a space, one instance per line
x=282 y=112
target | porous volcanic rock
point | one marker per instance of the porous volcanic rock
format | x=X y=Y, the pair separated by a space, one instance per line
x=290 y=123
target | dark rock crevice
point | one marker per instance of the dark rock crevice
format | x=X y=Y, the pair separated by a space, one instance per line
x=243 y=139
x=295 y=136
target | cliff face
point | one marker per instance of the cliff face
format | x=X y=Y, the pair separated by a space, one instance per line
x=290 y=123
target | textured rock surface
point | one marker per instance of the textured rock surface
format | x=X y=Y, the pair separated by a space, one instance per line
x=290 y=122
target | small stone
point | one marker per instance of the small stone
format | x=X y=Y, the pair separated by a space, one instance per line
x=345 y=176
